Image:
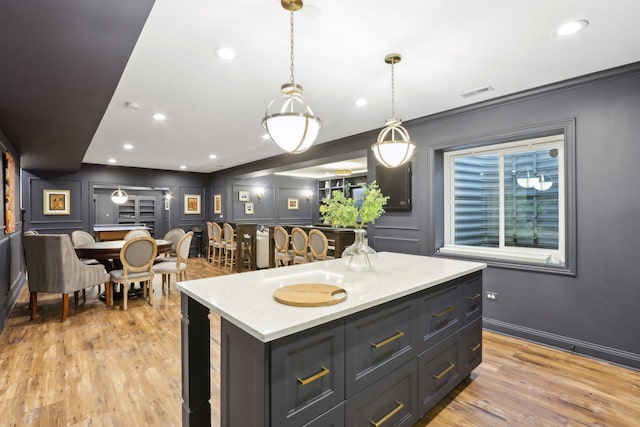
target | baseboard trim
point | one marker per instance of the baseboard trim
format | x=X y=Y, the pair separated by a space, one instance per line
x=12 y=297
x=607 y=354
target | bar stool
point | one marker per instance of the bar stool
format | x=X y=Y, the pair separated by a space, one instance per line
x=216 y=245
x=230 y=246
x=318 y=246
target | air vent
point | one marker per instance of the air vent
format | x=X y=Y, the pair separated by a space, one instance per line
x=477 y=91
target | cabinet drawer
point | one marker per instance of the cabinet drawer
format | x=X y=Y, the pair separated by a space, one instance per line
x=389 y=402
x=379 y=342
x=307 y=374
x=440 y=313
x=438 y=372
x=471 y=297
x=471 y=346
x=333 y=418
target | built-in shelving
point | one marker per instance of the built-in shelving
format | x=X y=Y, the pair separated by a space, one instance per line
x=138 y=210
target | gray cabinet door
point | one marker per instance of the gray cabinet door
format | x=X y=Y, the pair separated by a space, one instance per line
x=471 y=346
x=307 y=374
x=471 y=297
x=438 y=372
x=440 y=313
x=390 y=401
x=379 y=341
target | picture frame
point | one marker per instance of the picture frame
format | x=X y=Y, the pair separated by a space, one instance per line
x=248 y=208
x=56 y=202
x=217 y=203
x=292 y=204
x=243 y=196
x=192 y=204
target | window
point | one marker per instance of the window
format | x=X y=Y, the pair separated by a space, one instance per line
x=507 y=201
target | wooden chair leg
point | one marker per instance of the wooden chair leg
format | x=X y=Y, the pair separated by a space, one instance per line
x=125 y=294
x=65 y=306
x=108 y=294
x=33 y=304
x=84 y=296
x=75 y=298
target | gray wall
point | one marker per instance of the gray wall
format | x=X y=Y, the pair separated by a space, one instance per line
x=12 y=275
x=594 y=312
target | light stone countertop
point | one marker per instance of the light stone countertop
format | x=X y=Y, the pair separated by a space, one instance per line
x=246 y=299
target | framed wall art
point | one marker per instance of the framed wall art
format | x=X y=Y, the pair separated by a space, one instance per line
x=292 y=204
x=243 y=196
x=9 y=193
x=248 y=208
x=56 y=202
x=217 y=203
x=192 y=204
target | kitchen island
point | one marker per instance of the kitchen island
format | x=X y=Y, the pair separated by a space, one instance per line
x=405 y=336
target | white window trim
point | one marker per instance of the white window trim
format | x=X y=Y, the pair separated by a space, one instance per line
x=507 y=253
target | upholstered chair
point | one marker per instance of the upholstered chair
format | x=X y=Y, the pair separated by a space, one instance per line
x=137 y=233
x=216 y=245
x=230 y=245
x=283 y=255
x=174 y=235
x=300 y=245
x=81 y=237
x=318 y=246
x=137 y=256
x=54 y=267
x=179 y=267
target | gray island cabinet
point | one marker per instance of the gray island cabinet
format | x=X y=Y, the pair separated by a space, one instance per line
x=406 y=335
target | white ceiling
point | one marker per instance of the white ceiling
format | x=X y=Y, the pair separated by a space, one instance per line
x=449 y=47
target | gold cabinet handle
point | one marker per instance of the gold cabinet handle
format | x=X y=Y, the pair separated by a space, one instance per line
x=475 y=347
x=391 y=339
x=445 y=372
x=443 y=312
x=476 y=296
x=312 y=378
x=384 y=419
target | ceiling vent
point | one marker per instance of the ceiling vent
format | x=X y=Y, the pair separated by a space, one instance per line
x=477 y=91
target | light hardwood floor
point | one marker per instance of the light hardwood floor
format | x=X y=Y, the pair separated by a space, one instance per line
x=115 y=368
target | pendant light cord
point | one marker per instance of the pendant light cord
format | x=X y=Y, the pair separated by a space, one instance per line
x=393 y=92
x=292 y=80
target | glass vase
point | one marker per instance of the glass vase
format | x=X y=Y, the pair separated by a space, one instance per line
x=359 y=256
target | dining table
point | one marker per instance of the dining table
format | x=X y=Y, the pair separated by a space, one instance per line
x=110 y=250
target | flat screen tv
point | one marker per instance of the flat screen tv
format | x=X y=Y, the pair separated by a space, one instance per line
x=395 y=183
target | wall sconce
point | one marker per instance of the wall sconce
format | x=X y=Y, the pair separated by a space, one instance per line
x=308 y=194
x=259 y=194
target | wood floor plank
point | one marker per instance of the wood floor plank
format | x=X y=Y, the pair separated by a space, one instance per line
x=109 y=367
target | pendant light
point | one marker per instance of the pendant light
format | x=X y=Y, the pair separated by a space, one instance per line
x=289 y=120
x=119 y=196
x=394 y=146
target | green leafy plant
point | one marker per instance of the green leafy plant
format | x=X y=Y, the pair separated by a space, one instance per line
x=342 y=211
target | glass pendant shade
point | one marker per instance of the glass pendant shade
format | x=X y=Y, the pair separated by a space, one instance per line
x=544 y=182
x=527 y=179
x=119 y=196
x=393 y=146
x=290 y=122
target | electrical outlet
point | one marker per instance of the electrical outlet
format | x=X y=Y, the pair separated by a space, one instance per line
x=493 y=296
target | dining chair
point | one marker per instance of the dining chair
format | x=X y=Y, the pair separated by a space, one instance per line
x=179 y=267
x=283 y=255
x=318 y=246
x=139 y=232
x=174 y=235
x=230 y=246
x=54 y=267
x=137 y=256
x=300 y=245
x=81 y=237
x=217 y=247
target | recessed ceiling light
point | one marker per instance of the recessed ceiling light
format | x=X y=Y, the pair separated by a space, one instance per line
x=183 y=167
x=113 y=161
x=127 y=147
x=225 y=53
x=159 y=117
x=361 y=102
x=213 y=156
x=572 y=27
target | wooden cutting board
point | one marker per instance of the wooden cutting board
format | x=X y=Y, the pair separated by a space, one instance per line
x=310 y=295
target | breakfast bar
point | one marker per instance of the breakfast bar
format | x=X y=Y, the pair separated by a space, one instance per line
x=405 y=335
